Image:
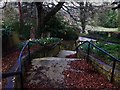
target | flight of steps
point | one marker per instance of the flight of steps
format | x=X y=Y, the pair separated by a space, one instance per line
x=49 y=69
x=61 y=72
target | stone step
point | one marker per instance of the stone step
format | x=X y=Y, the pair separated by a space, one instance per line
x=47 y=69
x=65 y=53
x=60 y=73
x=55 y=58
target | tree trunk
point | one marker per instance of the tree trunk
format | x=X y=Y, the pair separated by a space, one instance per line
x=82 y=16
x=44 y=18
x=83 y=26
x=119 y=19
x=20 y=16
x=39 y=17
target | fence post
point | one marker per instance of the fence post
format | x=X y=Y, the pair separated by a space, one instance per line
x=88 y=51
x=75 y=44
x=44 y=50
x=29 y=52
x=113 y=69
x=60 y=45
x=20 y=70
x=21 y=80
x=77 y=50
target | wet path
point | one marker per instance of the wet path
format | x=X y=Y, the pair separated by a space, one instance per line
x=85 y=39
x=47 y=71
x=90 y=39
x=55 y=72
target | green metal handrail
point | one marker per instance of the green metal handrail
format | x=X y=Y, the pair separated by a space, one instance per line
x=114 y=59
x=18 y=68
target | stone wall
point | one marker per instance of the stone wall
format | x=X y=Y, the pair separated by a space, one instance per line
x=105 y=69
x=101 y=67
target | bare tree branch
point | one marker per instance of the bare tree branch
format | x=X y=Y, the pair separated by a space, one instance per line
x=53 y=11
x=43 y=16
x=69 y=13
x=4 y=5
x=118 y=6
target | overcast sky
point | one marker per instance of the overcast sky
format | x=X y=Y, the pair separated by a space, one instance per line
x=97 y=2
x=61 y=0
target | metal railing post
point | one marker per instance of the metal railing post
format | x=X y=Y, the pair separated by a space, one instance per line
x=29 y=52
x=77 y=50
x=113 y=69
x=21 y=80
x=44 y=51
x=88 y=51
x=59 y=46
x=75 y=44
x=20 y=70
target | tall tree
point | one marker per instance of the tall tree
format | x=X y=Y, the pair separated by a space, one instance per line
x=83 y=16
x=43 y=15
x=20 y=16
x=119 y=19
x=80 y=14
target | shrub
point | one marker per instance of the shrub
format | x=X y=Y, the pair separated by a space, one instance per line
x=108 y=19
x=113 y=49
x=24 y=31
x=105 y=36
x=61 y=29
x=42 y=41
x=6 y=31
